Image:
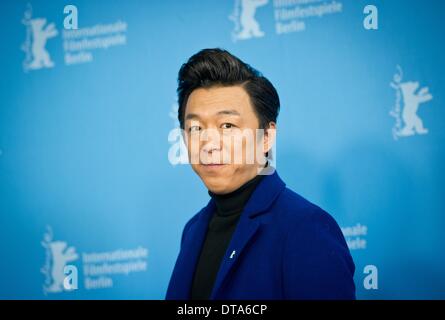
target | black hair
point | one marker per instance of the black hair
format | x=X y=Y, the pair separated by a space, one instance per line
x=218 y=67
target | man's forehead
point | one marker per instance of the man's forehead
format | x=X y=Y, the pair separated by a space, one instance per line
x=217 y=101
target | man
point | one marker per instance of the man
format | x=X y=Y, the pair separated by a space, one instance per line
x=255 y=239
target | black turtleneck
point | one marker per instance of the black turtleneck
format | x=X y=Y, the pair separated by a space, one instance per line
x=219 y=233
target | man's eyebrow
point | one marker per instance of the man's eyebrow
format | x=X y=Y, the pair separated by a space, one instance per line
x=228 y=112
x=191 y=116
x=219 y=113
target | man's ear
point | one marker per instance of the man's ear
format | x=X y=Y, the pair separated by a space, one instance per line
x=269 y=136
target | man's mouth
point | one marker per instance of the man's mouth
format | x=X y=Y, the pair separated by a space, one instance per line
x=212 y=165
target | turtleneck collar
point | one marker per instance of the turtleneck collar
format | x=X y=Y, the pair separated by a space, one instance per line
x=234 y=202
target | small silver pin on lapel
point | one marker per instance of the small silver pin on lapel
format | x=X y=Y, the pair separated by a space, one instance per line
x=232 y=254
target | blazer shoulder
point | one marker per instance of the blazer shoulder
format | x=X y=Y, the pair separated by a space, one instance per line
x=296 y=208
x=298 y=213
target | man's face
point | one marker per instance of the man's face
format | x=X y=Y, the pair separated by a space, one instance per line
x=223 y=143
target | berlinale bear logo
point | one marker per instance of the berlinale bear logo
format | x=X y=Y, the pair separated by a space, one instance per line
x=412 y=98
x=243 y=16
x=58 y=254
x=37 y=34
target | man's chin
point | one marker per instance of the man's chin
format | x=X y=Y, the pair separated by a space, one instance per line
x=218 y=189
x=216 y=178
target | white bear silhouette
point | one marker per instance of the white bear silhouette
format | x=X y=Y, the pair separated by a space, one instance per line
x=412 y=100
x=250 y=27
x=40 y=36
x=60 y=257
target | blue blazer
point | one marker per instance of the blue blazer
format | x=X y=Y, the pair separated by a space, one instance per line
x=283 y=247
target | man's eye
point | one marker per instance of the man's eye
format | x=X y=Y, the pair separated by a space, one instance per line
x=194 y=128
x=227 y=126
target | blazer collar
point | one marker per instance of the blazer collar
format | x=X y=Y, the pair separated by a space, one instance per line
x=262 y=198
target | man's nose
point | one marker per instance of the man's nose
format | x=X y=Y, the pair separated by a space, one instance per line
x=211 y=140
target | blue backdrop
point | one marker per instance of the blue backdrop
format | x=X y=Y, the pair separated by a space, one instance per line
x=86 y=179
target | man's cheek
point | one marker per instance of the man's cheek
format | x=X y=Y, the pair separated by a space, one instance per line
x=229 y=153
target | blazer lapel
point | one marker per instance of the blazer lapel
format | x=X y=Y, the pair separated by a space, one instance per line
x=263 y=196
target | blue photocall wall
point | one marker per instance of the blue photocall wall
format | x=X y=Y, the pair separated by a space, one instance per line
x=92 y=177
